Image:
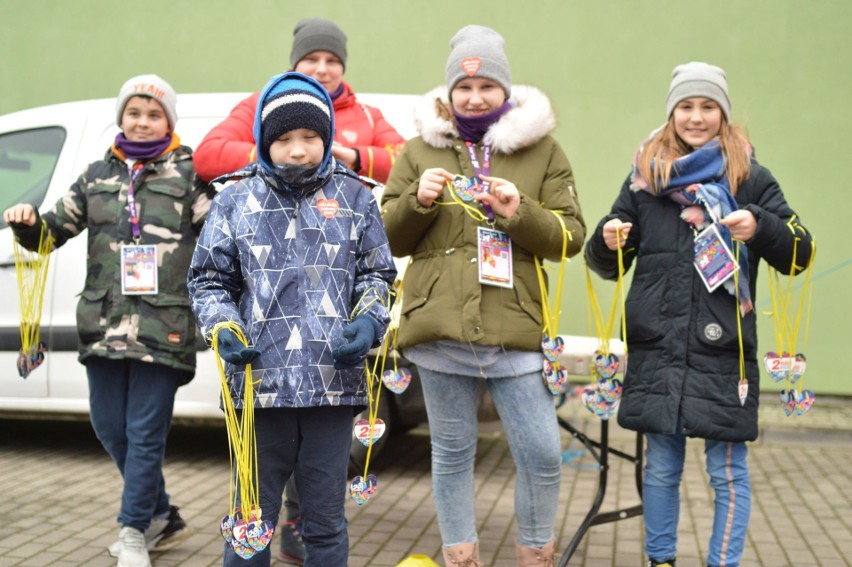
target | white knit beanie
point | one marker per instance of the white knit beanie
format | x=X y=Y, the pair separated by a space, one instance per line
x=150 y=86
x=699 y=79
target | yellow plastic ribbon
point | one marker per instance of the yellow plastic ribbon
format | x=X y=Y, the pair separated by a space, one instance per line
x=786 y=329
x=31 y=270
x=242 y=441
x=604 y=330
x=548 y=315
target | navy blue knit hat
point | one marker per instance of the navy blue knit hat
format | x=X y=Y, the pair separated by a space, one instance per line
x=288 y=102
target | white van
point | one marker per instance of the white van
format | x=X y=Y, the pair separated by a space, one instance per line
x=42 y=151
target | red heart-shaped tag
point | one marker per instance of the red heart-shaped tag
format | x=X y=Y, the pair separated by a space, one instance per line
x=328 y=207
x=470 y=65
x=362 y=431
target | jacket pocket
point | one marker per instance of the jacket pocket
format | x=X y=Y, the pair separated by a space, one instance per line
x=418 y=284
x=716 y=324
x=528 y=293
x=92 y=309
x=102 y=204
x=165 y=322
x=164 y=205
x=646 y=308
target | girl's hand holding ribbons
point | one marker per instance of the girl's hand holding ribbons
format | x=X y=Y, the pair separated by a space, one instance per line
x=742 y=225
x=432 y=184
x=611 y=235
x=502 y=196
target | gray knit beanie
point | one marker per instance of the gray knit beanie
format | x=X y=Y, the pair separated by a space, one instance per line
x=317 y=34
x=150 y=86
x=477 y=51
x=699 y=79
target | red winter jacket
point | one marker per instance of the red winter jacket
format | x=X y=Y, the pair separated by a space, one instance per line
x=230 y=145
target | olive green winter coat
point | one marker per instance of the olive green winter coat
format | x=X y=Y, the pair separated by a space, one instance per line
x=153 y=328
x=442 y=298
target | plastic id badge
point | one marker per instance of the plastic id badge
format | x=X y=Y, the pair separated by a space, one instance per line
x=139 y=269
x=713 y=259
x=495 y=257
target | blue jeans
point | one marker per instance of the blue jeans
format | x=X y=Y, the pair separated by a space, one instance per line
x=728 y=471
x=312 y=444
x=529 y=419
x=130 y=404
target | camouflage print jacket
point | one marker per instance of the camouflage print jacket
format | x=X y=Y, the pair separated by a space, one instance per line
x=172 y=207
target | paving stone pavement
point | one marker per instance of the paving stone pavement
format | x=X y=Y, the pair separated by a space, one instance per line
x=64 y=495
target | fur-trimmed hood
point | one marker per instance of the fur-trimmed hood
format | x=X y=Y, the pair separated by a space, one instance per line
x=530 y=119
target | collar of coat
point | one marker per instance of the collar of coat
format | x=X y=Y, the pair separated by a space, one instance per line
x=531 y=119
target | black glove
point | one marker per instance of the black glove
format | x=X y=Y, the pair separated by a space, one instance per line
x=360 y=335
x=233 y=350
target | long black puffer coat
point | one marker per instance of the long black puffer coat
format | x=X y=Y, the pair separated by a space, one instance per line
x=682 y=340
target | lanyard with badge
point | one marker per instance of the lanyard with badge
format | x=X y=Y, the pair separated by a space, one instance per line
x=138 y=261
x=494 y=246
x=716 y=265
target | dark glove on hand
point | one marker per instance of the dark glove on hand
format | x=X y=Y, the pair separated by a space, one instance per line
x=233 y=350
x=360 y=335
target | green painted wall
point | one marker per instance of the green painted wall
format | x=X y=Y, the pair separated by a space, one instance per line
x=605 y=64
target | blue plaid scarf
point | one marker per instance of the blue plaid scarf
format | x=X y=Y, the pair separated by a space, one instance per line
x=700 y=186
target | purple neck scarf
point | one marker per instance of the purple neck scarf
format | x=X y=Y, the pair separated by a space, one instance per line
x=142 y=151
x=473 y=128
x=337 y=92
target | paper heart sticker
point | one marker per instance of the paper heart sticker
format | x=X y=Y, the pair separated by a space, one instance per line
x=777 y=366
x=362 y=431
x=361 y=489
x=552 y=348
x=227 y=528
x=397 y=381
x=798 y=366
x=554 y=376
x=259 y=534
x=470 y=65
x=805 y=402
x=27 y=362
x=462 y=188
x=328 y=207
x=240 y=543
x=606 y=365
x=789 y=399
x=612 y=393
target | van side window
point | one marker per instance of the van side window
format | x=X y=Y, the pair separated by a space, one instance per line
x=27 y=160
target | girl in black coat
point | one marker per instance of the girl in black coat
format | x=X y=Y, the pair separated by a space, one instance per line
x=688 y=376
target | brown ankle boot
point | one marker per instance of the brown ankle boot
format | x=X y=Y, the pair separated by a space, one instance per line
x=462 y=555
x=535 y=557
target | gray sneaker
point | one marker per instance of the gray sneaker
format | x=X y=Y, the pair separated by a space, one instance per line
x=161 y=534
x=131 y=550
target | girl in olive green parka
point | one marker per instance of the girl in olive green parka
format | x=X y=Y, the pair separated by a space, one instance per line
x=458 y=330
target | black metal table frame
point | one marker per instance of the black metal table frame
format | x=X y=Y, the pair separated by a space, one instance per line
x=600 y=450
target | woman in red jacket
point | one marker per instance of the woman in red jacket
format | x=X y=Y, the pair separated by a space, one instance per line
x=363 y=140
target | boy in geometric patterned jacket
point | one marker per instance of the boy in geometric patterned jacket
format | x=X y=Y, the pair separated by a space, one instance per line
x=295 y=253
x=143 y=209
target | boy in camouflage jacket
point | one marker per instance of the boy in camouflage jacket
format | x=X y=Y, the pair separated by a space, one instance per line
x=138 y=345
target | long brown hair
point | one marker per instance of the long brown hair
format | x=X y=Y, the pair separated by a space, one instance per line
x=666 y=146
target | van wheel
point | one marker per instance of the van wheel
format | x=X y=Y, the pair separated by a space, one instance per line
x=358 y=452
